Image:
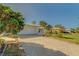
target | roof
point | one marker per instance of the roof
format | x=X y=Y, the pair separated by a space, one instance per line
x=32 y=25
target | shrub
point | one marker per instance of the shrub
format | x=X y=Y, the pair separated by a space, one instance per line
x=2 y=42
x=60 y=35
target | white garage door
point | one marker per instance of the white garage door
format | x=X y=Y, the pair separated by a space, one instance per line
x=29 y=31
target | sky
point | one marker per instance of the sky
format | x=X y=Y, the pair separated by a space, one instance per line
x=53 y=13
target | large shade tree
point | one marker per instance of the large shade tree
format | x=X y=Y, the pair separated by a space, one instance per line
x=10 y=21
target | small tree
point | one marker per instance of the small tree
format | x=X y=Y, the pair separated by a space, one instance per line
x=49 y=29
x=73 y=30
x=61 y=27
x=43 y=24
x=10 y=21
x=77 y=30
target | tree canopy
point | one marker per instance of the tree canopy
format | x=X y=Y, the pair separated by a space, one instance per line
x=43 y=24
x=10 y=21
x=59 y=26
x=48 y=27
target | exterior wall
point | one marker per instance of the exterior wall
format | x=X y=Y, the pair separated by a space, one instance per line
x=31 y=30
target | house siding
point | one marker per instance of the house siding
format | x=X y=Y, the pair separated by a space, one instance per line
x=29 y=29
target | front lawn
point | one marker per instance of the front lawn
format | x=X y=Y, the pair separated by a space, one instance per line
x=68 y=37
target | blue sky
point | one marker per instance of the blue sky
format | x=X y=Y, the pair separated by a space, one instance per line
x=65 y=14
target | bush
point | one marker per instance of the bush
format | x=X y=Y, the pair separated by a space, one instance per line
x=60 y=35
x=69 y=37
x=2 y=42
x=48 y=33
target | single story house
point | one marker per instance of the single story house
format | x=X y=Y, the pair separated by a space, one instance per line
x=32 y=29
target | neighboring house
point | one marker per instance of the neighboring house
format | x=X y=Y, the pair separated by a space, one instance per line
x=56 y=30
x=59 y=30
x=68 y=30
x=32 y=29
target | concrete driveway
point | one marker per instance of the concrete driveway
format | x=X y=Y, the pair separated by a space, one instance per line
x=44 y=46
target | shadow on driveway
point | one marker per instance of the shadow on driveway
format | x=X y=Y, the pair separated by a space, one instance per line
x=33 y=49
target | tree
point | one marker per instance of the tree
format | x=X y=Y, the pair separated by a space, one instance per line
x=72 y=30
x=10 y=21
x=60 y=27
x=77 y=30
x=43 y=24
x=49 y=29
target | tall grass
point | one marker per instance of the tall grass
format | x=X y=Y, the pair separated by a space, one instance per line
x=73 y=37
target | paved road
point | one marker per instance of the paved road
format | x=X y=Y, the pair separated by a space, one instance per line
x=44 y=46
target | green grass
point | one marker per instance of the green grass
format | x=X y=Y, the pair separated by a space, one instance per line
x=67 y=37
